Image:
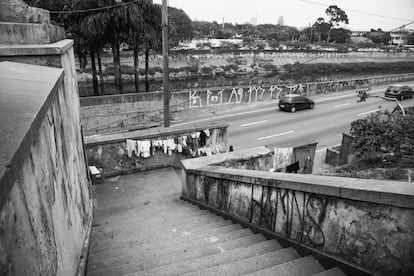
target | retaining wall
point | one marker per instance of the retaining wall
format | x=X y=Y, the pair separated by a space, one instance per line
x=107 y=114
x=369 y=223
x=45 y=197
x=109 y=154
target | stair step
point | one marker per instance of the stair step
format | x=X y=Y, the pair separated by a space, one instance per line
x=144 y=213
x=155 y=235
x=154 y=251
x=107 y=251
x=252 y=264
x=194 y=225
x=162 y=258
x=336 y=271
x=305 y=266
x=164 y=219
x=206 y=262
x=154 y=239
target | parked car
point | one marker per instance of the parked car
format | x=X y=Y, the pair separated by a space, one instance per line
x=293 y=102
x=399 y=91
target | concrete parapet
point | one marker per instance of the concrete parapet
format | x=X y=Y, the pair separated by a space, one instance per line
x=369 y=223
x=109 y=152
x=45 y=197
x=18 y=11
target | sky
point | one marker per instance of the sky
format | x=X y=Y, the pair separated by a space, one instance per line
x=362 y=14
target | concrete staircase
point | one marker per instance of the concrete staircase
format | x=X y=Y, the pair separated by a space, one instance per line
x=139 y=230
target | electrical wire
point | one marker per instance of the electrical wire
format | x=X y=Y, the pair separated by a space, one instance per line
x=356 y=11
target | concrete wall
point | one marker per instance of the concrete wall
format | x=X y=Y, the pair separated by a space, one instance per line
x=369 y=223
x=332 y=156
x=304 y=154
x=46 y=205
x=108 y=114
x=108 y=152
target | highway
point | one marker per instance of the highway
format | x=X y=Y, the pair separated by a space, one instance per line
x=332 y=116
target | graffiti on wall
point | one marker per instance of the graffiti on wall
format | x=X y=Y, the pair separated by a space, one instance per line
x=296 y=215
x=240 y=95
x=251 y=94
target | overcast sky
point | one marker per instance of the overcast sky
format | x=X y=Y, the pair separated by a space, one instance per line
x=301 y=13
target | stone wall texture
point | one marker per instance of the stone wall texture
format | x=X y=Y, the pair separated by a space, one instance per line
x=369 y=223
x=110 y=155
x=374 y=236
x=46 y=217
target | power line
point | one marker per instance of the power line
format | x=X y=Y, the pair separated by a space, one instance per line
x=96 y=9
x=402 y=26
x=356 y=11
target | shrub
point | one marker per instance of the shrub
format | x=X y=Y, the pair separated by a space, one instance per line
x=385 y=132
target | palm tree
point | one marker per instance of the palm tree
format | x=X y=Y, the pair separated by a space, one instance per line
x=93 y=29
x=152 y=34
x=135 y=38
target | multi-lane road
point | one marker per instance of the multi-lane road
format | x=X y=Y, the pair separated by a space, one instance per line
x=332 y=116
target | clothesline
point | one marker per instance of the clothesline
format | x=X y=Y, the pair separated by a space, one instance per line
x=194 y=144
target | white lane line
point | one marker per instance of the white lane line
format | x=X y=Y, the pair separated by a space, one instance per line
x=225 y=116
x=254 y=123
x=341 y=105
x=368 y=112
x=275 y=135
x=346 y=96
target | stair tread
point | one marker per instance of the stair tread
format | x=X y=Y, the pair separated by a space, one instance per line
x=148 y=230
x=206 y=262
x=163 y=237
x=251 y=264
x=106 y=251
x=336 y=271
x=156 y=259
x=300 y=267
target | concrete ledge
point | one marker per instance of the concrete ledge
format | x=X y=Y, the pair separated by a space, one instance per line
x=56 y=48
x=96 y=140
x=393 y=193
x=25 y=95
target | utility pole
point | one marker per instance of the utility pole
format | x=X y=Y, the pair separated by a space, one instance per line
x=165 y=70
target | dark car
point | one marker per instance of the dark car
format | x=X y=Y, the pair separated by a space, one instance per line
x=400 y=92
x=293 y=102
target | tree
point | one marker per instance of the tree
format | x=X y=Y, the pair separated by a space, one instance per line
x=182 y=25
x=152 y=34
x=379 y=36
x=321 y=28
x=385 y=132
x=336 y=16
x=93 y=30
x=340 y=35
x=410 y=38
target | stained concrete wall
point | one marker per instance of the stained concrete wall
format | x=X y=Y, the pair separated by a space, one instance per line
x=46 y=205
x=108 y=114
x=369 y=223
x=304 y=154
x=108 y=152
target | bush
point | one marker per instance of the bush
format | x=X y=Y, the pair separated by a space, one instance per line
x=206 y=70
x=385 y=132
x=230 y=67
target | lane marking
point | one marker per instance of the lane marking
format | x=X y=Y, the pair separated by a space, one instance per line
x=368 y=112
x=254 y=123
x=341 y=105
x=275 y=135
x=225 y=116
